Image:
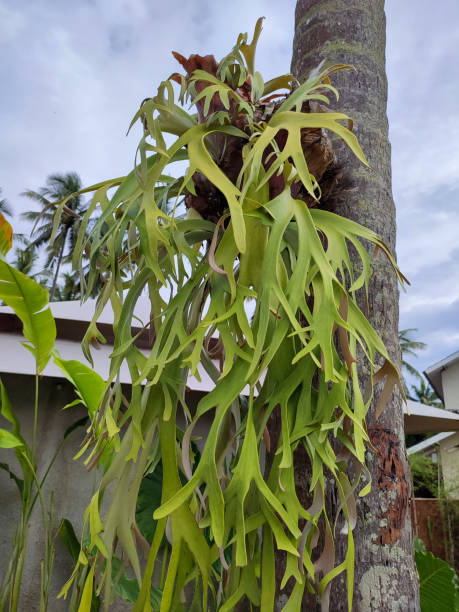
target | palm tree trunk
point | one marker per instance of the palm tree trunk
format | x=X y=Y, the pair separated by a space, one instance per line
x=58 y=265
x=353 y=32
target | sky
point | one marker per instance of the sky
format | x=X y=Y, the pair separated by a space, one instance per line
x=73 y=74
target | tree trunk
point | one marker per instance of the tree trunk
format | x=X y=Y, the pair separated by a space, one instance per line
x=58 y=266
x=353 y=32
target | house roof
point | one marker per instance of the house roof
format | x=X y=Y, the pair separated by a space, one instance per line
x=420 y=418
x=432 y=441
x=433 y=373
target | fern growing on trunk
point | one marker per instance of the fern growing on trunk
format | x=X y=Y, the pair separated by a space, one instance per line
x=259 y=276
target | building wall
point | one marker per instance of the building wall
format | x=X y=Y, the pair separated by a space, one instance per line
x=450 y=381
x=449 y=456
x=71 y=483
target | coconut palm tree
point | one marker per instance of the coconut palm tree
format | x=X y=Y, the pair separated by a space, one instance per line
x=26 y=255
x=425 y=394
x=410 y=347
x=5 y=207
x=69 y=289
x=26 y=258
x=58 y=186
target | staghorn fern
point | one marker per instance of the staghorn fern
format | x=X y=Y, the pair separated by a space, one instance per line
x=254 y=232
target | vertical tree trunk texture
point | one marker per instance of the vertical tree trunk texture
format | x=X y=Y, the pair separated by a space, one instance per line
x=353 y=32
x=58 y=267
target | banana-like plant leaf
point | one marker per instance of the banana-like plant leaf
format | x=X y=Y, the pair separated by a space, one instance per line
x=88 y=384
x=9 y=440
x=436 y=581
x=66 y=534
x=128 y=589
x=7 y=410
x=30 y=303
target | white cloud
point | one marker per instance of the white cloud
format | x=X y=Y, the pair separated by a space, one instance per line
x=427 y=236
x=426 y=155
x=419 y=302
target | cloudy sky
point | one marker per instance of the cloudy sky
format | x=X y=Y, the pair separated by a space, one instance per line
x=72 y=75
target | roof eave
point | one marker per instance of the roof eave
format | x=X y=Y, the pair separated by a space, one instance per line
x=434 y=372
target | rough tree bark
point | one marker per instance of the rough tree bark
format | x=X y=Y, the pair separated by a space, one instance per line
x=353 y=32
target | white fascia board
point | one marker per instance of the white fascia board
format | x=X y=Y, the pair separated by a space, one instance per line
x=76 y=311
x=15 y=359
x=418 y=409
x=444 y=363
x=434 y=373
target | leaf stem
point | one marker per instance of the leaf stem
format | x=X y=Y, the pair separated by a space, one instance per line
x=35 y=417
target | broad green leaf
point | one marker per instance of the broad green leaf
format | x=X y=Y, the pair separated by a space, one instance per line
x=30 y=303
x=128 y=589
x=68 y=537
x=9 y=439
x=436 y=582
x=7 y=410
x=88 y=384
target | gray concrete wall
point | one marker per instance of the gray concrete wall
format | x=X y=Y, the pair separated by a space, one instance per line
x=71 y=483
